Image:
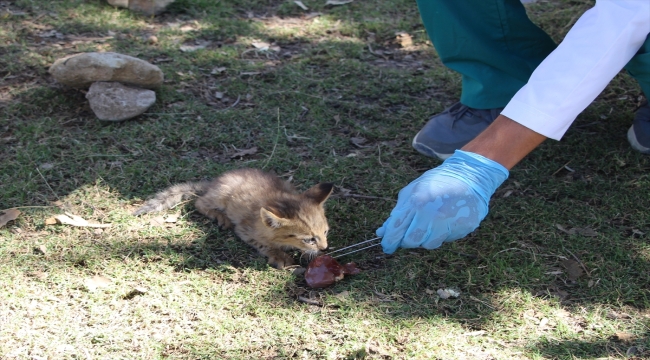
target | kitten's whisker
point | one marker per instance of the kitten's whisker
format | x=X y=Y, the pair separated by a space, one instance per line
x=353 y=247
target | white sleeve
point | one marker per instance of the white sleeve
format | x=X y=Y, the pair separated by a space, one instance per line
x=598 y=46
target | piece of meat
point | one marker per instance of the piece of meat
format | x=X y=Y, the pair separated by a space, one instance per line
x=324 y=271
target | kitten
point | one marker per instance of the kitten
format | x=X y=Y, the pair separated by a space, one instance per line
x=265 y=211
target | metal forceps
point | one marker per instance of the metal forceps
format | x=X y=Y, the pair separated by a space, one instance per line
x=354 y=246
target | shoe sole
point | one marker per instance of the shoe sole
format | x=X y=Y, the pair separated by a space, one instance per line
x=631 y=137
x=427 y=151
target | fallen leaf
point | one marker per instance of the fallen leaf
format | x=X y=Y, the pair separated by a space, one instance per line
x=358 y=141
x=172 y=218
x=51 y=221
x=9 y=215
x=587 y=232
x=342 y=295
x=218 y=70
x=429 y=291
x=47 y=166
x=338 y=2
x=624 y=336
x=218 y=95
x=135 y=292
x=198 y=46
x=97 y=281
x=447 y=293
x=404 y=39
x=573 y=268
x=301 y=5
x=43 y=250
x=308 y=301
x=261 y=45
x=244 y=152
x=157 y=221
x=74 y=220
x=475 y=333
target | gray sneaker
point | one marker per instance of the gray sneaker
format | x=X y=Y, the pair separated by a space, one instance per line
x=452 y=129
x=639 y=133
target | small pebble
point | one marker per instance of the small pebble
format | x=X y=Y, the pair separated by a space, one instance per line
x=153 y=39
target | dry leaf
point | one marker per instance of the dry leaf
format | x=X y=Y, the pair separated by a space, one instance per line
x=172 y=218
x=97 y=281
x=338 y=2
x=624 y=336
x=261 y=45
x=244 y=152
x=47 y=166
x=135 y=292
x=429 y=291
x=302 y=6
x=587 y=232
x=218 y=70
x=404 y=39
x=51 y=221
x=358 y=141
x=157 y=221
x=9 y=215
x=573 y=268
x=74 y=220
x=447 y=293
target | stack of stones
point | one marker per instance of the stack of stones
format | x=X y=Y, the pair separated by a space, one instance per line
x=119 y=85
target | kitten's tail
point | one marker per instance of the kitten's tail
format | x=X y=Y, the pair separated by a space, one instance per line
x=173 y=195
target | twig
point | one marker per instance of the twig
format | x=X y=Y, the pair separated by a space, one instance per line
x=48 y=185
x=531 y=253
x=369 y=197
x=579 y=262
x=561 y=167
x=482 y=302
x=277 y=137
x=235 y=103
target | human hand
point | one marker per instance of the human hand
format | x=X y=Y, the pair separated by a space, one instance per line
x=444 y=204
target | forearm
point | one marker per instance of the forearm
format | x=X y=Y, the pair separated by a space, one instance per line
x=505 y=141
x=601 y=42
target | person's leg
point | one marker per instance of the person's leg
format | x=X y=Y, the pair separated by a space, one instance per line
x=639 y=67
x=495 y=47
x=491 y=43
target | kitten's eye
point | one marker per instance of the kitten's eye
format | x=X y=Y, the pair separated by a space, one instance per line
x=309 y=240
x=291 y=235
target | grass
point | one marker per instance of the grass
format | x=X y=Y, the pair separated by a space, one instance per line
x=337 y=76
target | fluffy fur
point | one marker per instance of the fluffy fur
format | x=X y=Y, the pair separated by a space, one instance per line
x=265 y=211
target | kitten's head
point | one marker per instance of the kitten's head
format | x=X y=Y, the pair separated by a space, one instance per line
x=299 y=222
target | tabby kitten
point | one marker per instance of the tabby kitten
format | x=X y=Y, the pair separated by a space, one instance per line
x=265 y=211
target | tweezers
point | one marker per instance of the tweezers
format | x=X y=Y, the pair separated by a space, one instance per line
x=354 y=246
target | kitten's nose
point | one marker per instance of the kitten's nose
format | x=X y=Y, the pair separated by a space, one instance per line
x=323 y=248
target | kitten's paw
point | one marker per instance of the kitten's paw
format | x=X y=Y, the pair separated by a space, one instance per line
x=280 y=260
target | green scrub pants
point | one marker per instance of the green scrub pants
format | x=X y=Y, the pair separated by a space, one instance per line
x=495 y=47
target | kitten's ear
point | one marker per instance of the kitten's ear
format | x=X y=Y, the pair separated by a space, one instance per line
x=319 y=192
x=270 y=219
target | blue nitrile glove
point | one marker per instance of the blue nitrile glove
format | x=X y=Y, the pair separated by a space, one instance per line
x=444 y=204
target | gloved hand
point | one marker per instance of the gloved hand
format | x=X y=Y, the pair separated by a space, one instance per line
x=444 y=204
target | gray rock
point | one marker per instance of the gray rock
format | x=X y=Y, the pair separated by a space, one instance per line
x=113 y=101
x=119 y=3
x=148 y=7
x=81 y=70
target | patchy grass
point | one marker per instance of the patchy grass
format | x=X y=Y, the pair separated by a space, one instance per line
x=578 y=203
